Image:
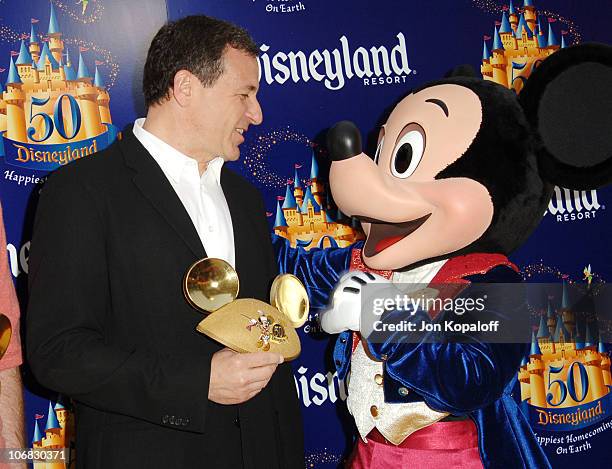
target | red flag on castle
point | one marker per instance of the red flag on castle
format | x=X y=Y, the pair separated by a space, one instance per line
x=38 y=416
x=552 y=20
x=297 y=166
x=34 y=20
x=280 y=198
x=269 y=214
x=289 y=181
x=99 y=62
x=83 y=49
x=564 y=32
x=498 y=23
x=2 y=70
x=486 y=38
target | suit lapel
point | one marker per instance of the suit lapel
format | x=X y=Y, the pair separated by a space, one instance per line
x=245 y=234
x=154 y=185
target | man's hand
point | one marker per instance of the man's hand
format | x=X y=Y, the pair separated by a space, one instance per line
x=237 y=377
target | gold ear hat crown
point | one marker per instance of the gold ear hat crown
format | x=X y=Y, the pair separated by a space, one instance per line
x=246 y=324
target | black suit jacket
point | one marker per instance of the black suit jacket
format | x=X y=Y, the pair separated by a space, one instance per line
x=107 y=323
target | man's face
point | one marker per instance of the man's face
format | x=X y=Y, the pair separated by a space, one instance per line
x=223 y=112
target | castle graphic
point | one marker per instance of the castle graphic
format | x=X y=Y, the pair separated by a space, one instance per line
x=305 y=217
x=567 y=365
x=58 y=434
x=519 y=44
x=51 y=114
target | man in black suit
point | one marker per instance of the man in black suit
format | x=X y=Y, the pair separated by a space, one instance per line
x=107 y=323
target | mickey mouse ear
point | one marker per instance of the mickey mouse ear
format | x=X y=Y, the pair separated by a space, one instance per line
x=464 y=70
x=568 y=100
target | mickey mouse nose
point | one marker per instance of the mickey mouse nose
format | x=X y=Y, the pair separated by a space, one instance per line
x=343 y=141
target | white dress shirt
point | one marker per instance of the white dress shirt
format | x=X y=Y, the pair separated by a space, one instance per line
x=202 y=196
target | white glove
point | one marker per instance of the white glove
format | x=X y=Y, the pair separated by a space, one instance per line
x=344 y=310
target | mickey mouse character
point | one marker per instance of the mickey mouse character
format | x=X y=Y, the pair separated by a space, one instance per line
x=462 y=174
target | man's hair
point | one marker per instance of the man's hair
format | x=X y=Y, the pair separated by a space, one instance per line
x=194 y=43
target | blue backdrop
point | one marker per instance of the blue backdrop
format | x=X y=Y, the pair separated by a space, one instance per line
x=317 y=67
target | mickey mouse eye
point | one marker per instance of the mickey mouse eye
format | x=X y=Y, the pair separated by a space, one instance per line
x=408 y=151
x=381 y=142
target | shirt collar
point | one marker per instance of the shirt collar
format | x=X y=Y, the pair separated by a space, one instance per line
x=172 y=161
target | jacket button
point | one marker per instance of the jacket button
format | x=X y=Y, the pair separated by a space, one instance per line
x=338 y=362
x=374 y=411
x=403 y=391
x=343 y=340
x=165 y=419
x=378 y=379
x=384 y=357
x=237 y=422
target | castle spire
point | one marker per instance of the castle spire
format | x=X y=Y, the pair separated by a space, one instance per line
x=33 y=34
x=561 y=329
x=486 y=54
x=37 y=434
x=589 y=341
x=497 y=42
x=24 y=55
x=542 y=330
x=51 y=419
x=46 y=54
x=314 y=167
x=552 y=39
x=565 y=304
x=540 y=38
x=511 y=10
x=550 y=312
x=505 y=24
x=563 y=44
x=280 y=216
x=522 y=25
x=83 y=70
x=53 y=26
x=535 y=347
x=296 y=180
x=98 y=79
x=289 y=198
x=527 y=3
x=601 y=347
x=13 y=76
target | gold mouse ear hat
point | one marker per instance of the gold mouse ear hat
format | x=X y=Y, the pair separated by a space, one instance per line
x=246 y=324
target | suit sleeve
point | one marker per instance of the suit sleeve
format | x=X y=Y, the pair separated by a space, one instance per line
x=68 y=344
x=454 y=372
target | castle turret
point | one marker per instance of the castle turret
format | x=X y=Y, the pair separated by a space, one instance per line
x=280 y=223
x=536 y=368
x=56 y=45
x=14 y=97
x=530 y=14
x=498 y=60
x=485 y=68
x=486 y=53
x=87 y=94
x=103 y=98
x=289 y=202
x=34 y=43
x=563 y=44
x=512 y=16
x=315 y=185
x=24 y=63
x=524 y=380
x=605 y=364
x=298 y=192
x=592 y=360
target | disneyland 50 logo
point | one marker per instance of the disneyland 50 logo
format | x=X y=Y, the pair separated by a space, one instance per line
x=376 y=65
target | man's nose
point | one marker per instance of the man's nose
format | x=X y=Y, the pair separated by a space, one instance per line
x=255 y=113
x=343 y=141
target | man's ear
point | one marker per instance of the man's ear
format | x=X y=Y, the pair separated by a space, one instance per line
x=568 y=101
x=182 y=86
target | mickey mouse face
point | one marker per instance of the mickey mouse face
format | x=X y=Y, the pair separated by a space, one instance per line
x=462 y=165
x=406 y=212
